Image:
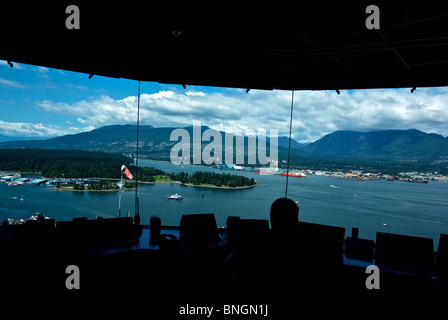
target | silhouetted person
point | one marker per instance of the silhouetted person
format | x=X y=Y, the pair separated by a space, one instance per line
x=286 y=260
x=284 y=218
x=264 y=266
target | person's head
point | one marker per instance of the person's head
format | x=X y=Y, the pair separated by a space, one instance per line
x=284 y=215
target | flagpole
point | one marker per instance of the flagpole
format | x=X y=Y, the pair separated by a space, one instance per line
x=137 y=210
x=119 y=199
x=128 y=175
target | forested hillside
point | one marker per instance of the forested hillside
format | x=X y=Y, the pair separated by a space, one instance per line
x=388 y=151
x=87 y=164
x=67 y=163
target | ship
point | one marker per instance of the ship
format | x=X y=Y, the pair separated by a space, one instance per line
x=175 y=197
x=293 y=174
x=265 y=171
x=417 y=181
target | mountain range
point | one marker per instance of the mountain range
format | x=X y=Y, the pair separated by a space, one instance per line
x=153 y=142
x=388 y=145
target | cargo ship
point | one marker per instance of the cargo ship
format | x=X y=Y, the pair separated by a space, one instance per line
x=293 y=174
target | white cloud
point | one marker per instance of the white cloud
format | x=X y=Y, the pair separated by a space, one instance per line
x=316 y=113
x=75 y=86
x=42 y=72
x=11 y=83
x=24 y=129
x=195 y=93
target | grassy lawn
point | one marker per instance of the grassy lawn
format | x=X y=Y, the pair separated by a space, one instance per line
x=162 y=178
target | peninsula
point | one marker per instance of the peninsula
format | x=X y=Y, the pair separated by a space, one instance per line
x=74 y=169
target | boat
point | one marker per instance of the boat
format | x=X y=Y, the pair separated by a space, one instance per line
x=175 y=197
x=265 y=171
x=417 y=181
x=297 y=174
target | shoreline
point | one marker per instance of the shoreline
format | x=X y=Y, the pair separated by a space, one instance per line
x=155 y=182
x=216 y=187
x=105 y=190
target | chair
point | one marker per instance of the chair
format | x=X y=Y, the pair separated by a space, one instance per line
x=359 y=248
x=407 y=253
x=246 y=231
x=325 y=241
x=198 y=230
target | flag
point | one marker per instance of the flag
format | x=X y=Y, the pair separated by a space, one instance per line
x=126 y=172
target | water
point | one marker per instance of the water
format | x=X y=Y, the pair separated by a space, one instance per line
x=405 y=208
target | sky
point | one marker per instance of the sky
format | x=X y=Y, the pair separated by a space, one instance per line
x=40 y=102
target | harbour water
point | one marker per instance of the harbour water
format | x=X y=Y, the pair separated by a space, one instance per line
x=379 y=205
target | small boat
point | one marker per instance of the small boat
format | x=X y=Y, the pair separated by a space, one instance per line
x=384 y=224
x=175 y=197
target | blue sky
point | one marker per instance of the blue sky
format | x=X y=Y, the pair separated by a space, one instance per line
x=42 y=102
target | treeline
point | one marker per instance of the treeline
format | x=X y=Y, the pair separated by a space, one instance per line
x=63 y=163
x=73 y=164
x=211 y=178
x=147 y=173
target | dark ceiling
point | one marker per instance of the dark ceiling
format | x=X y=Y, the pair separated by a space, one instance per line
x=318 y=45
